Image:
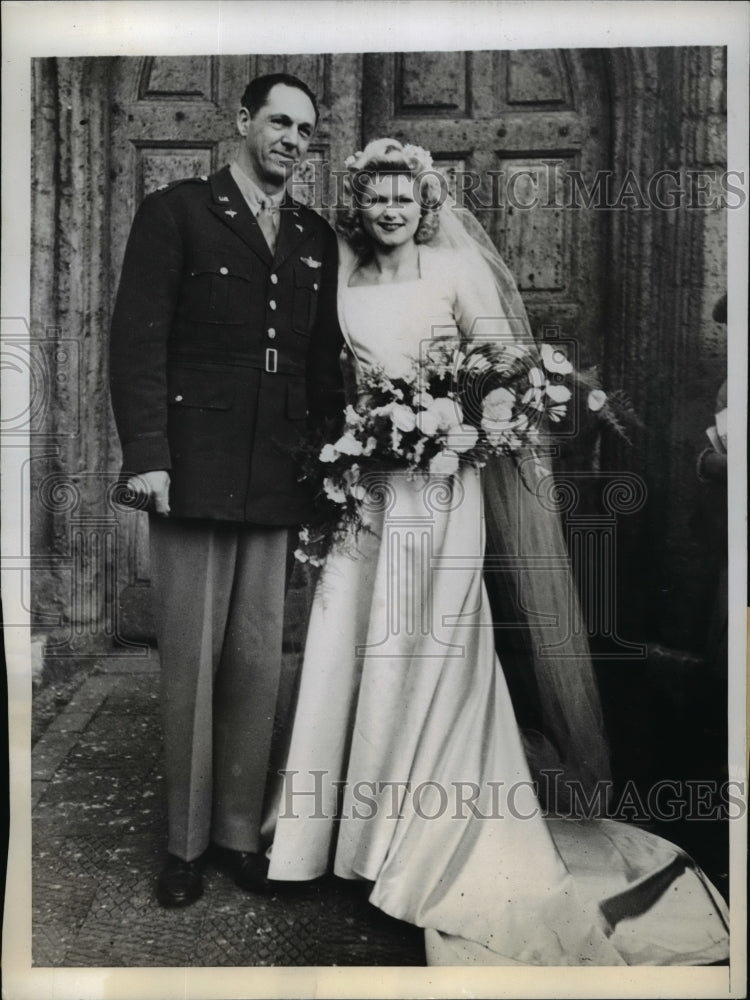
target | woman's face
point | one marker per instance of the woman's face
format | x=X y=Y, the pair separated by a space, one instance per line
x=389 y=210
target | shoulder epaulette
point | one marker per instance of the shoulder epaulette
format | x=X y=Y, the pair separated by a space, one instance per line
x=203 y=179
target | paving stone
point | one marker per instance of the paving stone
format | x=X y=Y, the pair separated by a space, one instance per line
x=38 y=788
x=70 y=722
x=50 y=700
x=116 y=754
x=48 y=945
x=98 y=842
x=49 y=753
x=91 y=693
x=143 y=731
x=63 y=905
x=126 y=701
x=137 y=662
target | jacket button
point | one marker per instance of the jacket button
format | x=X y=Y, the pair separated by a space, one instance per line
x=272 y=304
x=315 y=286
x=178 y=399
x=274 y=279
x=223 y=270
x=271 y=332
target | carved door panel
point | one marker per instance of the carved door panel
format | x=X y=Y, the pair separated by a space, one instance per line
x=509 y=125
x=510 y=128
x=174 y=117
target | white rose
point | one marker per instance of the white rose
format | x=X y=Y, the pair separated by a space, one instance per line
x=596 y=400
x=300 y=556
x=498 y=405
x=558 y=393
x=333 y=492
x=422 y=399
x=554 y=360
x=445 y=463
x=347 y=444
x=427 y=423
x=462 y=438
x=329 y=453
x=404 y=418
x=447 y=412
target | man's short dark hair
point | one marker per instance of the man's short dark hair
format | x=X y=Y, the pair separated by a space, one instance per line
x=257 y=91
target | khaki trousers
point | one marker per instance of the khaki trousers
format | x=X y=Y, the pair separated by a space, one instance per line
x=219 y=609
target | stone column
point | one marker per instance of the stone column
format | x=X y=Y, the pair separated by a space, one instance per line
x=72 y=444
x=669 y=268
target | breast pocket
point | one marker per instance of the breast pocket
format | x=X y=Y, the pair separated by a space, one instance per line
x=306 y=285
x=217 y=288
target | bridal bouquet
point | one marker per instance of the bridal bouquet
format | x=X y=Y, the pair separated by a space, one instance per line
x=453 y=408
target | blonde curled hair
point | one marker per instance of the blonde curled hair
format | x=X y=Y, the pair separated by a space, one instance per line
x=384 y=157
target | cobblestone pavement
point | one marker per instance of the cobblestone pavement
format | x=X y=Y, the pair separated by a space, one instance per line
x=99 y=829
x=99 y=835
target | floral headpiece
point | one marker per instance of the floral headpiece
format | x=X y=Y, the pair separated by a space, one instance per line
x=416 y=158
x=432 y=184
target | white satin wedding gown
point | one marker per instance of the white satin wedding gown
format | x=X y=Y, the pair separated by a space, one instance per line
x=403 y=703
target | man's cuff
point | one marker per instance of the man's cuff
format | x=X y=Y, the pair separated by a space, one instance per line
x=146 y=454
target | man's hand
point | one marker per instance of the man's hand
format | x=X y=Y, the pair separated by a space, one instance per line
x=154 y=486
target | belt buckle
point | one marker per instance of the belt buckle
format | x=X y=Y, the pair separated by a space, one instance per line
x=272 y=362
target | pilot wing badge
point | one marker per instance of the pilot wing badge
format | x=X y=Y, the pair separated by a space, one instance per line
x=315 y=264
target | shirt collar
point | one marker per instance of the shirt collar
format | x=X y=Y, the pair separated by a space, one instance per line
x=254 y=195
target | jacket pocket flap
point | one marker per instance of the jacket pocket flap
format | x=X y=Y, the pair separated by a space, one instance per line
x=199 y=387
x=222 y=265
x=306 y=277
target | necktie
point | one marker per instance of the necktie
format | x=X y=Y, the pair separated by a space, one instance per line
x=268 y=220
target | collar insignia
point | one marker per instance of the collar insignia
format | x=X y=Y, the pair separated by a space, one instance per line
x=223 y=197
x=230 y=213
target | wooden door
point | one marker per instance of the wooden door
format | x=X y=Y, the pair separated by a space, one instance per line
x=525 y=138
x=508 y=126
x=174 y=117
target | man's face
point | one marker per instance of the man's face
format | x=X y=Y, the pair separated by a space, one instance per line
x=278 y=135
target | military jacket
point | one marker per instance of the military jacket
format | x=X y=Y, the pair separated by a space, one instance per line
x=221 y=352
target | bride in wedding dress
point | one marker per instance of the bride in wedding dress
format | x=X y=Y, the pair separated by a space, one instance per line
x=406 y=767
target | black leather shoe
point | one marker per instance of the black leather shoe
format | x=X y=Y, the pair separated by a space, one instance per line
x=179 y=883
x=249 y=871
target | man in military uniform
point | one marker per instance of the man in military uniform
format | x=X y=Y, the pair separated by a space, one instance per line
x=225 y=346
